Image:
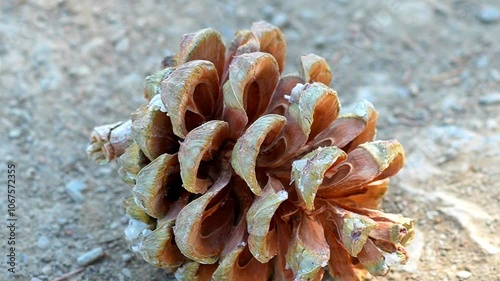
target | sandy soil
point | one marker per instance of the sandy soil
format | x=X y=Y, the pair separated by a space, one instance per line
x=431 y=68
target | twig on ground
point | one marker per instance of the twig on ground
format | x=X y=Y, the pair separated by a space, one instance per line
x=69 y=274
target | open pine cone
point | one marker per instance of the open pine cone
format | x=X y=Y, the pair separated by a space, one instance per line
x=239 y=174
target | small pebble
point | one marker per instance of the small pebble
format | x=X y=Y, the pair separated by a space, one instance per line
x=319 y=41
x=490 y=99
x=30 y=172
x=122 y=45
x=126 y=272
x=76 y=184
x=430 y=214
x=81 y=71
x=46 y=259
x=280 y=19
x=43 y=243
x=74 y=188
x=90 y=257
x=307 y=14
x=62 y=221
x=488 y=14
x=268 y=11
x=414 y=89
x=124 y=219
x=464 y=274
x=483 y=61
x=403 y=92
x=92 y=45
x=114 y=225
x=24 y=259
x=15 y=133
x=491 y=124
x=495 y=75
x=47 y=270
x=126 y=257
x=102 y=270
x=35 y=279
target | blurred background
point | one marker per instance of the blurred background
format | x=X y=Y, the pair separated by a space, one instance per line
x=431 y=68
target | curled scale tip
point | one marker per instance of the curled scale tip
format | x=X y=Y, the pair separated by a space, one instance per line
x=109 y=141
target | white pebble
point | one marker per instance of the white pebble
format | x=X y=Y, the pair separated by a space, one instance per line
x=15 y=133
x=74 y=188
x=490 y=99
x=488 y=15
x=90 y=257
x=47 y=270
x=126 y=257
x=464 y=274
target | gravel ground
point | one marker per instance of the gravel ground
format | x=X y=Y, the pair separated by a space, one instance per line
x=431 y=68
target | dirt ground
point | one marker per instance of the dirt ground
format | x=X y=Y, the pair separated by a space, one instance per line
x=431 y=68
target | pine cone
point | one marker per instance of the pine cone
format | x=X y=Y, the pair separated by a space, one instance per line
x=239 y=174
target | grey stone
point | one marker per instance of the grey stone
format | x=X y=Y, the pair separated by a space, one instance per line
x=73 y=189
x=126 y=257
x=488 y=14
x=92 y=45
x=41 y=52
x=495 y=74
x=62 y=221
x=414 y=89
x=76 y=184
x=490 y=99
x=126 y=272
x=102 y=270
x=43 y=243
x=47 y=270
x=268 y=11
x=320 y=41
x=124 y=219
x=47 y=258
x=122 y=45
x=90 y=257
x=80 y=70
x=24 y=259
x=52 y=78
x=30 y=172
x=280 y=19
x=307 y=14
x=483 y=61
x=114 y=225
x=403 y=92
x=118 y=32
x=15 y=133
x=451 y=103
